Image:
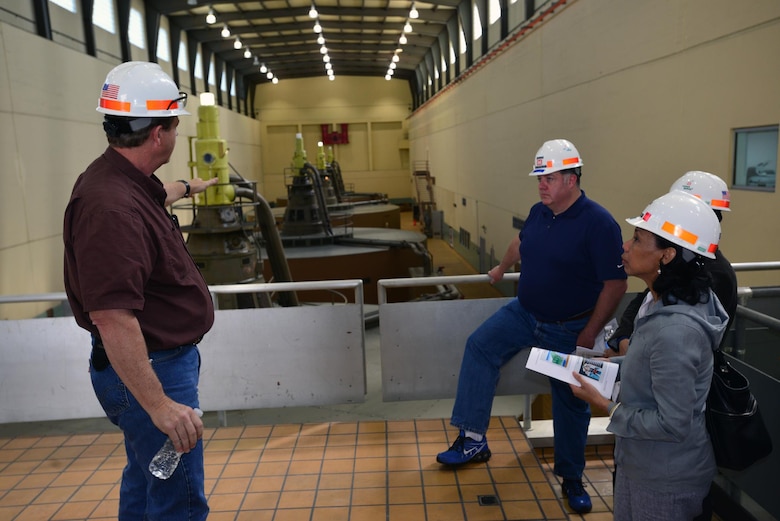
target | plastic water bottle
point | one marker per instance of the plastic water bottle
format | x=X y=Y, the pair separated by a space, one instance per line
x=164 y=463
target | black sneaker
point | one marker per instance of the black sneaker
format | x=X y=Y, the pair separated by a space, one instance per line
x=465 y=450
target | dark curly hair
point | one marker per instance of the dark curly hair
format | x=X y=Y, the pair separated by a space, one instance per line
x=685 y=278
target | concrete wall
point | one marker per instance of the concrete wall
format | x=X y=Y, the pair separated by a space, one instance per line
x=645 y=90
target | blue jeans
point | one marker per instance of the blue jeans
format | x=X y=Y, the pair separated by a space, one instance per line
x=493 y=344
x=142 y=497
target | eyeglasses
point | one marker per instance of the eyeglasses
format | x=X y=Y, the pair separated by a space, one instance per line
x=178 y=103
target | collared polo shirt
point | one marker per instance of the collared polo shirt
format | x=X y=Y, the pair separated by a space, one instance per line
x=124 y=251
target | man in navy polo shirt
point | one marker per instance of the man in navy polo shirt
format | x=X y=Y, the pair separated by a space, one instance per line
x=571 y=283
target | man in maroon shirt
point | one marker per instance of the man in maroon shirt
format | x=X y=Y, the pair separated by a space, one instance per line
x=132 y=283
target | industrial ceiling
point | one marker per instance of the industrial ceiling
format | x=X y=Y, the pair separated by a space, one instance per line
x=360 y=36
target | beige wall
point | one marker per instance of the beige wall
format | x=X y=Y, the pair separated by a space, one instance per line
x=645 y=90
x=49 y=133
x=375 y=159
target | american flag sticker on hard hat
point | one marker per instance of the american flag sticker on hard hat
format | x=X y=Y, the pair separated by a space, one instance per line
x=110 y=91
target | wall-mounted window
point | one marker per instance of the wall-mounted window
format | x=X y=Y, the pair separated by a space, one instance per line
x=103 y=15
x=755 y=158
x=70 y=5
x=163 y=45
x=135 y=29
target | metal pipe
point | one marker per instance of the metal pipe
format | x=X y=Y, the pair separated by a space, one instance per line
x=270 y=233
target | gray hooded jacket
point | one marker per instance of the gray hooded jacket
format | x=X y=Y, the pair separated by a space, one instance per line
x=661 y=440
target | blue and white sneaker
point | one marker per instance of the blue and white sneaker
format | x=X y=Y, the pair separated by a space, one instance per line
x=465 y=450
x=579 y=500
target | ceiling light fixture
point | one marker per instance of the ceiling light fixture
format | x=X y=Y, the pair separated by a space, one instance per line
x=408 y=27
x=263 y=68
x=332 y=77
x=275 y=80
x=247 y=53
x=402 y=40
x=269 y=75
x=326 y=58
x=256 y=63
x=211 y=18
x=313 y=12
x=192 y=2
x=388 y=77
x=414 y=13
x=321 y=40
x=323 y=50
x=225 y=31
x=317 y=28
x=237 y=44
x=395 y=58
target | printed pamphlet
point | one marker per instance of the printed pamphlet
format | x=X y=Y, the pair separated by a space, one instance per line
x=601 y=373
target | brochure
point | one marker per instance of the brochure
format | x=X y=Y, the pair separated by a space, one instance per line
x=602 y=374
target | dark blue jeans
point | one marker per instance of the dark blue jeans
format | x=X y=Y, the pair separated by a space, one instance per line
x=142 y=497
x=493 y=344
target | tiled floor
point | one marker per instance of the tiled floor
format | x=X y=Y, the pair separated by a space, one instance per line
x=353 y=471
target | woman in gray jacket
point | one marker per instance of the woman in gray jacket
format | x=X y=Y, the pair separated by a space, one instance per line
x=663 y=455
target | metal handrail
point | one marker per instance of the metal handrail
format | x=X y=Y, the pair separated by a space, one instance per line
x=267 y=287
x=435 y=281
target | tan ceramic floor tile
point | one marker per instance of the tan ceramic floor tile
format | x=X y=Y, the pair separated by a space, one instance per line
x=30 y=513
x=260 y=500
x=238 y=470
x=404 y=495
x=330 y=514
x=444 y=512
x=225 y=502
x=367 y=513
x=91 y=493
x=231 y=486
x=74 y=510
x=336 y=481
x=305 y=467
x=308 y=453
x=406 y=512
x=442 y=494
x=369 y=496
x=256 y=515
x=37 y=481
x=406 y=478
x=297 y=499
x=370 y=464
x=266 y=483
x=370 y=480
x=245 y=456
x=303 y=482
x=332 y=498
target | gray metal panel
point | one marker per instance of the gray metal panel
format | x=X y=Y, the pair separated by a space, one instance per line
x=421 y=347
x=283 y=357
x=44 y=373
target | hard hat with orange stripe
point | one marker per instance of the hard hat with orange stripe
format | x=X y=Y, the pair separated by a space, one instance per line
x=708 y=187
x=684 y=220
x=556 y=155
x=141 y=90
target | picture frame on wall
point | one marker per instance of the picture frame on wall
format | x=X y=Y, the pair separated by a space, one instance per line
x=755 y=158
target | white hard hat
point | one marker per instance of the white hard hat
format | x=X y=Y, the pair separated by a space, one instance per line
x=556 y=155
x=708 y=187
x=141 y=90
x=684 y=220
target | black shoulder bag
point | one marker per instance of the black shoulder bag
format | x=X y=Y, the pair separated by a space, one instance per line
x=737 y=431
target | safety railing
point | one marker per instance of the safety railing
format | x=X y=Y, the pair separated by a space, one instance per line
x=422 y=342
x=318 y=355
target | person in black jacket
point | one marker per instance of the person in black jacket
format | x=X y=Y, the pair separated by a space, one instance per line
x=714 y=191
